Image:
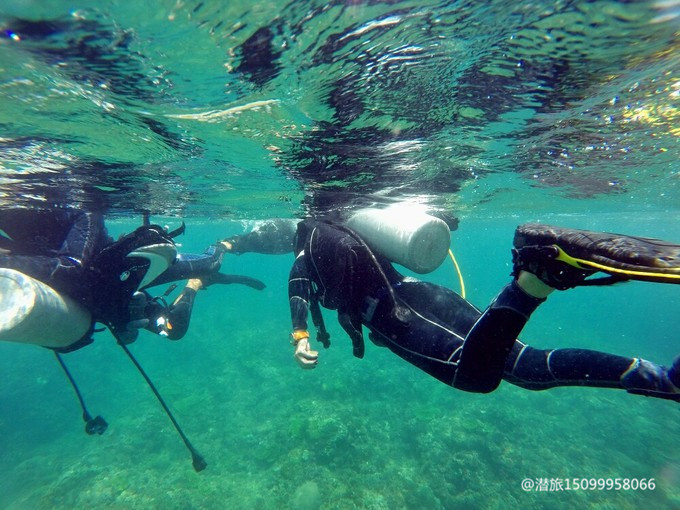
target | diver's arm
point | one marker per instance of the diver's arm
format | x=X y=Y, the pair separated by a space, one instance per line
x=299 y=293
x=173 y=321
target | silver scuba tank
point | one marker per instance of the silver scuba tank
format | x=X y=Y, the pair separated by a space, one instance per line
x=405 y=235
x=34 y=313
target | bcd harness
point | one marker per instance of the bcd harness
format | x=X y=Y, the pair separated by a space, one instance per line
x=350 y=317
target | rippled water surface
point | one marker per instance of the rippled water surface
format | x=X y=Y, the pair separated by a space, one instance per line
x=241 y=109
x=489 y=113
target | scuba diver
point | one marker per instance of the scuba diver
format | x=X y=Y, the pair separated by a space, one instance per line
x=105 y=281
x=61 y=273
x=136 y=308
x=441 y=333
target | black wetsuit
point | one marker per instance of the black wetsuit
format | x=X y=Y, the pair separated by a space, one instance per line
x=71 y=251
x=430 y=326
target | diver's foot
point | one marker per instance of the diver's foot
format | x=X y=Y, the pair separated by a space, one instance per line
x=564 y=258
x=543 y=263
x=652 y=380
x=533 y=285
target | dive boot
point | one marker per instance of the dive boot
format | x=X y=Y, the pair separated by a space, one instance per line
x=649 y=379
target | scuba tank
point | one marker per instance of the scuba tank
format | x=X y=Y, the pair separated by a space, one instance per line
x=404 y=235
x=34 y=313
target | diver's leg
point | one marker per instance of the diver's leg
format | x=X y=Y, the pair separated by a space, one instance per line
x=189 y=265
x=204 y=267
x=490 y=340
x=441 y=325
x=537 y=369
x=542 y=263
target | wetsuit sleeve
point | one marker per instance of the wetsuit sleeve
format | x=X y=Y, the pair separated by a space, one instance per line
x=299 y=292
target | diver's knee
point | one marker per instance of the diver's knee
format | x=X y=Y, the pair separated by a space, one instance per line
x=475 y=384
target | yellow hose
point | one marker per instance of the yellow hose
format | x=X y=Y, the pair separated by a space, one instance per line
x=460 y=275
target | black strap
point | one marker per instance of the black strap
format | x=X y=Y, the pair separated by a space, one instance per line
x=322 y=335
x=83 y=341
x=352 y=325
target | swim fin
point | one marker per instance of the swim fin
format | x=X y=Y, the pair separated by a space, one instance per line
x=619 y=256
x=227 y=279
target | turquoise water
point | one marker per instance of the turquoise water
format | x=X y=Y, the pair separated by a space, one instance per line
x=371 y=433
x=494 y=113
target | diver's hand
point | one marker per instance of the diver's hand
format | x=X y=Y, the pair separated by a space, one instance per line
x=304 y=356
